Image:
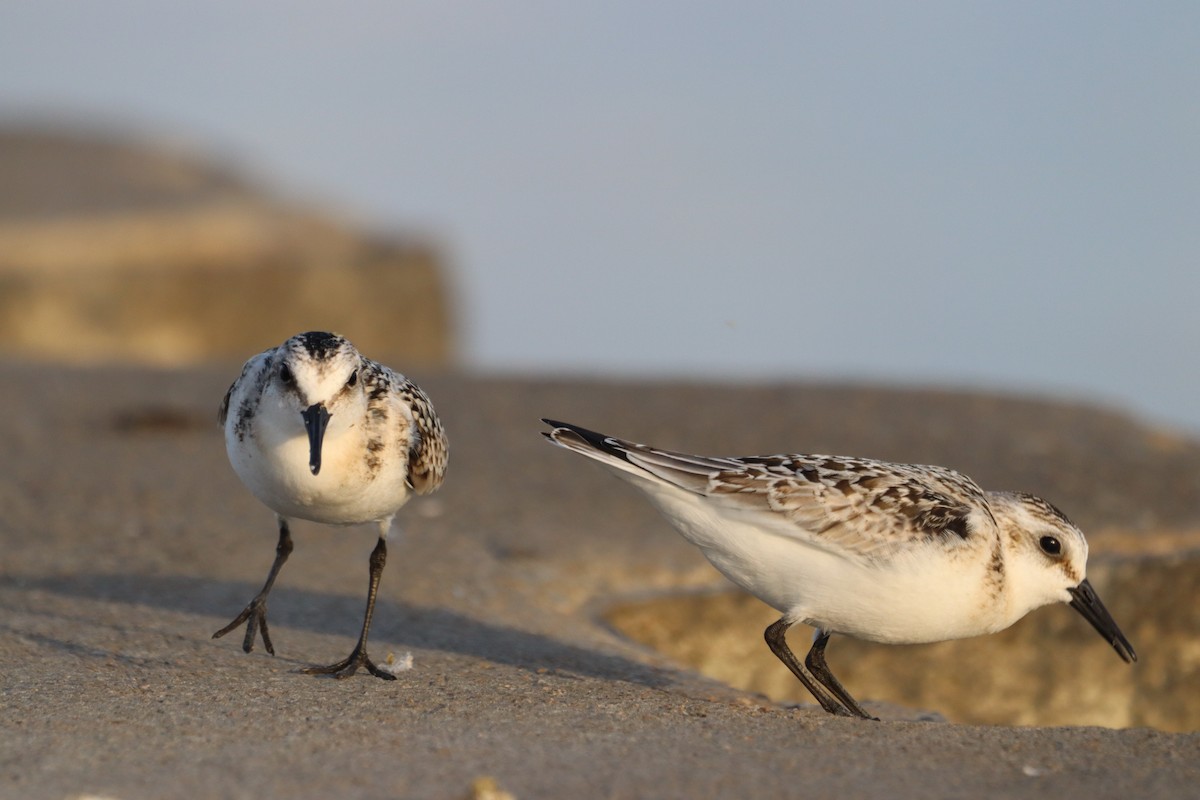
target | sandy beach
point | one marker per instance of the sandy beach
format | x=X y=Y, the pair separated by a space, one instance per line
x=126 y=540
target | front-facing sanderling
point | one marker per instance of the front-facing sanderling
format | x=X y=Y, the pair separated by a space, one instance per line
x=316 y=431
x=893 y=553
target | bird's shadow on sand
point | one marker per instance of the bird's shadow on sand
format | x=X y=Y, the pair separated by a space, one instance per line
x=394 y=622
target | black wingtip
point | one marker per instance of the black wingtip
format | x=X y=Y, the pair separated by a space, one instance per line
x=599 y=441
x=591 y=437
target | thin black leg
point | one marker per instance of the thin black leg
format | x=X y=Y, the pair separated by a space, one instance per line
x=815 y=661
x=358 y=657
x=776 y=636
x=255 y=614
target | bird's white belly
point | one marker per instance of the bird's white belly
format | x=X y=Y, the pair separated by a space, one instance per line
x=920 y=596
x=344 y=492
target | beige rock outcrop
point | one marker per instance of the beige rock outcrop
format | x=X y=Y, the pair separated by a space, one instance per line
x=114 y=251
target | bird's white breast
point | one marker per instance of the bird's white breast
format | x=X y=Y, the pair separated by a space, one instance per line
x=272 y=460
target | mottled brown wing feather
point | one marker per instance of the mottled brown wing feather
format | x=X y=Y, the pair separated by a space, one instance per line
x=429 y=450
x=857 y=504
x=848 y=504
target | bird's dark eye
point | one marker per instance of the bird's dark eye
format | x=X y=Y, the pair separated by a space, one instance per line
x=353 y=381
x=1050 y=546
x=285 y=374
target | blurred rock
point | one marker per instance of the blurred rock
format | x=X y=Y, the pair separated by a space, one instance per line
x=117 y=250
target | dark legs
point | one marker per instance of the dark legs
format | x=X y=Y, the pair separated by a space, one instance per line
x=815 y=661
x=255 y=614
x=814 y=674
x=358 y=657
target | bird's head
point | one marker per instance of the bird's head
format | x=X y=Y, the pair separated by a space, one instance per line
x=1047 y=563
x=318 y=375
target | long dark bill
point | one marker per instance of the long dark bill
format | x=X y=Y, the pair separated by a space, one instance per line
x=315 y=420
x=1085 y=600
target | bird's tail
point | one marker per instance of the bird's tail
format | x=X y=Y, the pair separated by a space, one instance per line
x=637 y=460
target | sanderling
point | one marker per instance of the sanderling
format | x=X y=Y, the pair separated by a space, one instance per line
x=893 y=553
x=318 y=432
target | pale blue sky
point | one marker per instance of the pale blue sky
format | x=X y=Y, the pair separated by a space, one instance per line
x=1000 y=194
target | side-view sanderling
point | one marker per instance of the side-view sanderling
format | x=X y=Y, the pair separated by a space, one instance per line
x=316 y=431
x=893 y=553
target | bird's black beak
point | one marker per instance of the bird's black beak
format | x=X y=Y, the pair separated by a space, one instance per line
x=1085 y=600
x=315 y=420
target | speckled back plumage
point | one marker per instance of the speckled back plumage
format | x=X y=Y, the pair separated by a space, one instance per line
x=428 y=449
x=860 y=506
